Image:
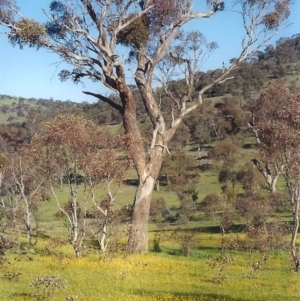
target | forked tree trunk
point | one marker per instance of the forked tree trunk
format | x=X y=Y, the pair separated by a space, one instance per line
x=103 y=243
x=270 y=178
x=147 y=165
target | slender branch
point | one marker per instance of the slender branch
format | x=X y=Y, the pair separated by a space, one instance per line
x=106 y=100
x=131 y=20
x=58 y=204
x=164 y=147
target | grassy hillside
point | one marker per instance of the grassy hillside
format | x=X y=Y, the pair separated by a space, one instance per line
x=17 y=109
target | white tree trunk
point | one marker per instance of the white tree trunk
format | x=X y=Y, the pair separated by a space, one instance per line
x=138 y=237
x=295 y=212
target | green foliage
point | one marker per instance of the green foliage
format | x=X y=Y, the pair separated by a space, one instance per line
x=182 y=178
x=136 y=34
x=226 y=175
x=62 y=15
x=249 y=178
x=186 y=239
x=199 y=125
x=28 y=32
x=157 y=207
x=210 y=205
x=230 y=117
x=180 y=138
x=156 y=245
x=229 y=194
x=225 y=151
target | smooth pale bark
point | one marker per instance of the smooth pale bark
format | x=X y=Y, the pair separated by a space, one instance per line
x=77 y=234
x=103 y=243
x=104 y=240
x=138 y=237
x=295 y=212
x=19 y=172
x=270 y=178
x=147 y=165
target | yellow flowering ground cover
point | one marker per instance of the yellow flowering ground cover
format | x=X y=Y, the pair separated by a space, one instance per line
x=152 y=277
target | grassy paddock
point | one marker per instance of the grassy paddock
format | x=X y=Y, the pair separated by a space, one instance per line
x=152 y=277
x=156 y=276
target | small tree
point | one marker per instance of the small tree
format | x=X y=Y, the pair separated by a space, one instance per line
x=157 y=208
x=4 y=109
x=105 y=167
x=226 y=151
x=263 y=110
x=248 y=177
x=280 y=146
x=22 y=181
x=45 y=287
x=200 y=128
x=183 y=177
x=75 y=147
x=210 y=205
x=227 y=213
x=221 y=209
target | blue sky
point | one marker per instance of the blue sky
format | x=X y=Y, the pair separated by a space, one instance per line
x=31 y=73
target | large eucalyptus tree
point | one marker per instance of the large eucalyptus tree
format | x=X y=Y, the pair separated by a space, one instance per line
x=90 y=35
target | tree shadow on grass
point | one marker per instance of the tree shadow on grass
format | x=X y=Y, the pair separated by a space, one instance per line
x=249 y=146
x=23 y=296
x=216 y=229
x=172 y=251
x=186 y=296
x=203 y=147
x=131 y=182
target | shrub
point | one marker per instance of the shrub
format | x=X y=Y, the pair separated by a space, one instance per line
x=157 y=207
x=45 y=287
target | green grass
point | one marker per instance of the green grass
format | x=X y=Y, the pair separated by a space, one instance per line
x=208 y=183
x=156 y=276
x=12 y=103
x=4 y=117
